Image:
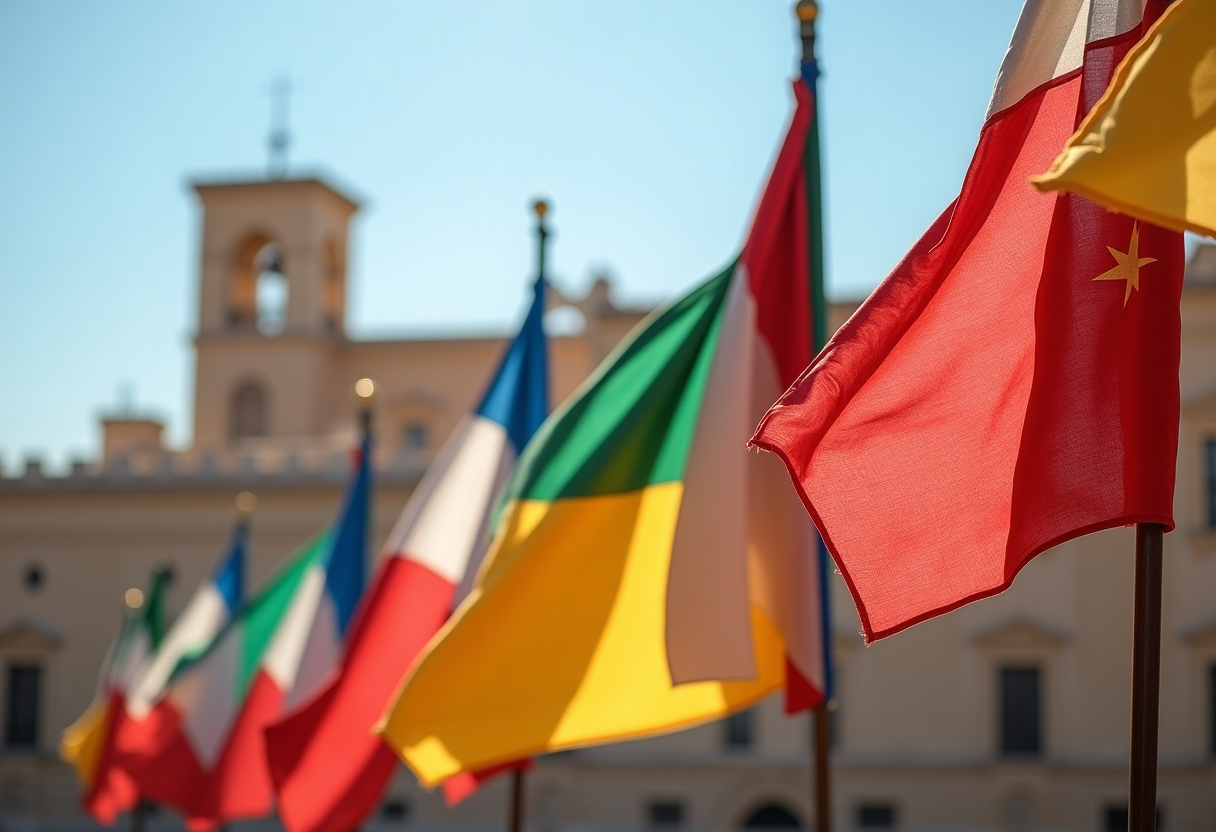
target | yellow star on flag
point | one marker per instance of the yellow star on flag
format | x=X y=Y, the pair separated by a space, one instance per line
x=1129 y=264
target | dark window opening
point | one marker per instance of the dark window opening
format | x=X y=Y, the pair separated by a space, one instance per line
x=395 y=809
x=1115 y=818
x=1211 y=460
x=665 y=813
x=739 y=730
x=1021 y=711
x=248 y=417
x=876 y=816
x=21 y=721
x=1212 y=710
x=772 y=816
x=33 y=578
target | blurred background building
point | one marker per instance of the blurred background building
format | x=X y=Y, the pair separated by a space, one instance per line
x=1009 y=714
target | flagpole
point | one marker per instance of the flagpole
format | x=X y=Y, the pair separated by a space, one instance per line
x=365 y=392
x=1146 y=679
x=807 y=11
x=515 y=816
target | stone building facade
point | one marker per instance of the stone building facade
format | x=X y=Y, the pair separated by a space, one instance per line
x=1009 y=714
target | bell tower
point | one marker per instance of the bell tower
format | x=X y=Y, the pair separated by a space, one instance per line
x=272 y=306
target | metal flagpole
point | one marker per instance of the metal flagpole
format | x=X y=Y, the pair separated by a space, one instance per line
x=807 y=11
x=516 y=821
x=1146 y=679
x=515 y=818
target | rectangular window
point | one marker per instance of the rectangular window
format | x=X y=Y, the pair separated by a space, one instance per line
x=875 y=816
x=1211 y=460
x=739 y=730
x=395 y=810
x=21 y=720
x=1115 y=818
x=1021 y=711
x=665 y=813
x=1212 y=710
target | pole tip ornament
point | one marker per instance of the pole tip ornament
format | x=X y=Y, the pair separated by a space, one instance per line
x=246 y=503
x=807 y=12
x=134 y=598
x=365 y=390
x=540 y=207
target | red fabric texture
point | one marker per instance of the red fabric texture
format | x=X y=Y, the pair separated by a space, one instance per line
x=990 y=400
x=456 y=789
x=112 y=791
x=162 y=761
x=800 y=694
x=240 y=787
x=777 y=259
x=329 y=768
x=777 y=251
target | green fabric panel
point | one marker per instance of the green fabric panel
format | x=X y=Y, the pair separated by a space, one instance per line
x=149 y=617
x=260 y=618
x=632 y=423
x=154 y=610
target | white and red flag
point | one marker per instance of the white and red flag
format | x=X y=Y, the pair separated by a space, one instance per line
x=328 y=766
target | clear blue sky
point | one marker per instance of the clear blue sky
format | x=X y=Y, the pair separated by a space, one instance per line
x=650 y=125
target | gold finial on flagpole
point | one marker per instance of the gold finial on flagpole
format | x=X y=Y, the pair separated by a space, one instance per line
x=245 y=504
x=807 y=11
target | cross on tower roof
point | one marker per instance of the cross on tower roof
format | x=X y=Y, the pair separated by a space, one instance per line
x=280 y=136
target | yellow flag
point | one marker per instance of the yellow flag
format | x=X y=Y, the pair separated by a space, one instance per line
x=83 y=740
x=1148 y=147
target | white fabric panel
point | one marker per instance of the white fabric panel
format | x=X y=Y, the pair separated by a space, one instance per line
x=286 y=648
x=205 y=696
x=132 y=660
x=783 y=555
x=1049 y=41
x=743 y=538
x=444 y=521
x=708 y=622
x=483 y=539
x=322 y=653
x=194 y=629
x=1108 y=18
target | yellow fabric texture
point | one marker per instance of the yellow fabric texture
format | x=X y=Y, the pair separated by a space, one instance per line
x=82 y=742
x=562 y=643
x=1148 y=147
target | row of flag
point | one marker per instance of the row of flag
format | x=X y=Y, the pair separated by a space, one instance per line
x=621 y=567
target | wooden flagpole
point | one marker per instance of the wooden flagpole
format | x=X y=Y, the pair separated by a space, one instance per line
x=515 y=816
x=1146 y=679
x=807 y=11
x=516 y=820
x=821 y=774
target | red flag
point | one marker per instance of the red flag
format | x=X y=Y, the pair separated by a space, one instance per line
x=1014 y=382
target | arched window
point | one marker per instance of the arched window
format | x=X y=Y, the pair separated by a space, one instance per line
x=249 y=411
x=270 y=291
x=333 y=287
x=772 y=816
